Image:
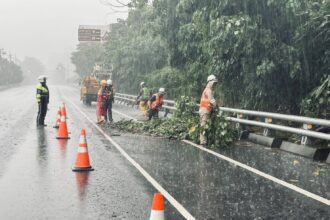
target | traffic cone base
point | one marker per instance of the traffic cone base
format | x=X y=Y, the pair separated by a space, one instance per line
x=62 y=138
x=82 y=169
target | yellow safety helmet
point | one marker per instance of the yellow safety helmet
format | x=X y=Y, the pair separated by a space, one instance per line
x=103 y=82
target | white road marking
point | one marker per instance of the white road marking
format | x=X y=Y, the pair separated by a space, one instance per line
x=175 y=203
x=258 y=172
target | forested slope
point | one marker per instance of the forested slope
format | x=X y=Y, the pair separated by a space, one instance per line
x=268 y=54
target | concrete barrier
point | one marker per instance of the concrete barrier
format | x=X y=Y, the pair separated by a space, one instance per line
x=317 y=154
x=321 y=154
x=328 y=160
x=271 y=142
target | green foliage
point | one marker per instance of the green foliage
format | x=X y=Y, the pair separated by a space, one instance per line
x=169 y=78
x=317 y=103
x=268 y=55
x=86 y=56
x=135 y=49
x=185 y=107
x=185 y=125
x=10 y=72
x=253 y=49
x=170 y=128
x=219 y=131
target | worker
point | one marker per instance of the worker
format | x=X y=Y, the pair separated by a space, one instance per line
x=101 y=102
x=155 y=103
x=109 y=101
x=143 y=97
x=142 y=85
x=43 y=100
x=207 y=106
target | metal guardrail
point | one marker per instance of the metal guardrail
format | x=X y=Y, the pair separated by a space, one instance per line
x=305 y=131
x=293 y=118
x=299 y=131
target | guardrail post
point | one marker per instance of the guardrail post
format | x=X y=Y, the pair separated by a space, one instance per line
x=268 y=132
x=304 y=139
x=243 y=132
x=166 y=112
x=238 y=125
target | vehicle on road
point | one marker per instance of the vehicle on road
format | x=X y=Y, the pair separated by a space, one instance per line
x=90 y=85
x=88 y=90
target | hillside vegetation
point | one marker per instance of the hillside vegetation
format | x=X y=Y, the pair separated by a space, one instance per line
x=269 y=55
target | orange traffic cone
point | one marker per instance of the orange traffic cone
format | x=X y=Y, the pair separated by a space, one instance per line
x=58 y=120
x=157 y=209
x=82 y=162
x=63 y=129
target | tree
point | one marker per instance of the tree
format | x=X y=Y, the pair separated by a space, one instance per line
x=86 y=55
x=268 y=55
x=10 y=72
x=135 y=48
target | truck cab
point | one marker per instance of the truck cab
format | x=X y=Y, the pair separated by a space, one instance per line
x=89 y=89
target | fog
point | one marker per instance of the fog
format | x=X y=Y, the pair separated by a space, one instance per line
x=47 y=29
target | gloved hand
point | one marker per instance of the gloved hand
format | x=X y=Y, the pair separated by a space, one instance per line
x=215 y=110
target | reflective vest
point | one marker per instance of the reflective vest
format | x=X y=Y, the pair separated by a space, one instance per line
x=157 y=102
x=205 y=102
x=146 y=93
x=42 y=93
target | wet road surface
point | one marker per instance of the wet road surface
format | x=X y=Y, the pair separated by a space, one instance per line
x=215 y=188
x=297 y=170
x=36 y=181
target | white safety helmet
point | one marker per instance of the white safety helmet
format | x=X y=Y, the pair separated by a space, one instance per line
x=161 y=91
x=142 y=84
x=109 y=82
x=42 y=78
x=212 y=78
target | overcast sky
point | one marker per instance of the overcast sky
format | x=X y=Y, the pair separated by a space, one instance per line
x=47 y=29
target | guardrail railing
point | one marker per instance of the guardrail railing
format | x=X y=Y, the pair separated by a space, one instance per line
x=305 y=131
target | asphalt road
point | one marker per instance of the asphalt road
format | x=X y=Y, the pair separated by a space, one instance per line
x=36 y=181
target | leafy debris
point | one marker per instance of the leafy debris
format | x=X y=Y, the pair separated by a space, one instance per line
x=184 y=125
